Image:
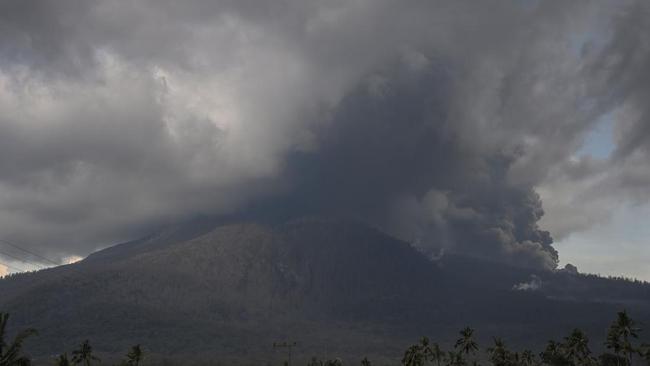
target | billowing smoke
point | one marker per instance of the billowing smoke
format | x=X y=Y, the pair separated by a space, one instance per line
x=390 y=154
x=436 y=121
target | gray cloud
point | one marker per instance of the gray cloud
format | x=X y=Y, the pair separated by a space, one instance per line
x=437 y=121
x=583 y=191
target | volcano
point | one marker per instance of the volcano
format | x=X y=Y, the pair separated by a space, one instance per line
x=336 y=287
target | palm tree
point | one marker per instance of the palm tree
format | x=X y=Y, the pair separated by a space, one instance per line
x=613 y=341
x=135 y=356
x=554 y=354
x=499 y=354
x=366 y=362
x=609 y=359
x=627 y=329
x=577 y=347
x=62 y=360
x=514 y=359
x=10 y=353
x=413 y=356
x=619 y=334
x=455 y=359
x=436 y=354
x=84 y=354
x=646 y=353
x=466 y=342
x=527 y=358
x=427 y=353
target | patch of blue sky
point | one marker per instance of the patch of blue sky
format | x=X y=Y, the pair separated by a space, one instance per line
x=599 y=142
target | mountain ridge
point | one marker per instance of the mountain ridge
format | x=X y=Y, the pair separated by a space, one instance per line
x=236 y=288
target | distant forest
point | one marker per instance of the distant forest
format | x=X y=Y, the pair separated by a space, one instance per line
x=623 y=348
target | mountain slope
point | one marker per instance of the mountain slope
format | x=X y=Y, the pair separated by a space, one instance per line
x=332 y=285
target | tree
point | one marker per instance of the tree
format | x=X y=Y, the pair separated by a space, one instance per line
x=577 y=347
x=366 y=362
x=614 y=342
x=465 y=343
x=644 y=352
x=62 y=360
x=436 y=354
x=455 y=359
x=422 y=353
x=10 y=353
x=608 y=359
x=527 y=358
x=413 y=356
x=84 y=355
x=135 y=356
x=554 y=354
x=619 y=334
x=499 y=355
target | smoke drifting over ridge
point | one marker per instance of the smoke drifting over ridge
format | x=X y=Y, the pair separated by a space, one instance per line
x=434 y=120
x=388 y=154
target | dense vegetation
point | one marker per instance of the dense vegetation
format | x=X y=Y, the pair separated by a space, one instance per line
x=623 y=349
x=340 y=288
x=621 y=344
x=11 y=353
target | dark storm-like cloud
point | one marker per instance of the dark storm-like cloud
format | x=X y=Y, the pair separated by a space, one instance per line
x=438 y=121
x=390 y=155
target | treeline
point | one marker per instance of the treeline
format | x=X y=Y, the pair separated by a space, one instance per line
x=11 y=353
x=622 y=344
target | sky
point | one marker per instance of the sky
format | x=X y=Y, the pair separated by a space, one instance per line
x=515 y=130
x=617 y=246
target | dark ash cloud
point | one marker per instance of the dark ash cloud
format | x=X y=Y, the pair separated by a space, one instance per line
x=438 y=121
x=390 y=155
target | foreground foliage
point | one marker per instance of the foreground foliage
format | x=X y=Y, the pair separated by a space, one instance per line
x=621 y=344
x=10 y=353
x=623 y=349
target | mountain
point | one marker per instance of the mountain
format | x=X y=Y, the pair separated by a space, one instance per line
x=336 y=287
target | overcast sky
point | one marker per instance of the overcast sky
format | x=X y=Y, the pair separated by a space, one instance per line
x=515 y=130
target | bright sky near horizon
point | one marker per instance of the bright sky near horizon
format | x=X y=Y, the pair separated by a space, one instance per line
x=620 y=245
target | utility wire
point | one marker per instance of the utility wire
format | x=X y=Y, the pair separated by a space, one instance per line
x=33 y=263
x=19 y=247
x=13 y=245
x=12 y=267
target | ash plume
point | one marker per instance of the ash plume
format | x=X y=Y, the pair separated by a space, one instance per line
x=440 y=122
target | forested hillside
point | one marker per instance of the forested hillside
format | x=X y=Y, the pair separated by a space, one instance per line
x=335 y=286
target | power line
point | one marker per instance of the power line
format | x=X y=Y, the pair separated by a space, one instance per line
x=13 y=245
x=19 y=247
x=33 y=263
x=12 y=267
